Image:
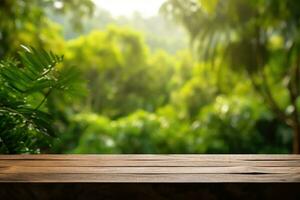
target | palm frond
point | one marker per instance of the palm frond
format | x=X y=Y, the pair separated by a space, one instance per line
x=23 y=125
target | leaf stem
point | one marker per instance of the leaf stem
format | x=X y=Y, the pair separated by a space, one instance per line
x=44 y=99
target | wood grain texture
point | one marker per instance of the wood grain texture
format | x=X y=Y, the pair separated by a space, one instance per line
x=150 y=168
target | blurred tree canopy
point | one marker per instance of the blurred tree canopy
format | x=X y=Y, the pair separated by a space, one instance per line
x=131 y=85
x=159 y=32
x=257 y=38
x=21 y=20
x=122 y=77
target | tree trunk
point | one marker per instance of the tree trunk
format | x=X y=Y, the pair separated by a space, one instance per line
x=296 y=138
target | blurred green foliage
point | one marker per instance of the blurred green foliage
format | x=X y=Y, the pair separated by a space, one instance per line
x=160 y=33
x=258 y=39
x=121 y=75
x=132 y=86
x=25 y=21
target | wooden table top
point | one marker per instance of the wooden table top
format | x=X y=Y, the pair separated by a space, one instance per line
x=150 y=168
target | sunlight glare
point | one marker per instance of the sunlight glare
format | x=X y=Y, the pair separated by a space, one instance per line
x=127 y=7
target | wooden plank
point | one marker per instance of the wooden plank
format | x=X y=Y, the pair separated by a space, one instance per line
x=150 y=160
x=193 y=157
x=149 y=168
x=149 y=178
x=146 y=163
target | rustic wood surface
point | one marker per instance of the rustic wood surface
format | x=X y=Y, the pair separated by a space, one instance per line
x=150 y=168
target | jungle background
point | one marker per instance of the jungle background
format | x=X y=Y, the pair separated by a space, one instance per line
x=200 y=76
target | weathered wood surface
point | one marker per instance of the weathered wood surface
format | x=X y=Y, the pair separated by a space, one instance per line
x=150 y=168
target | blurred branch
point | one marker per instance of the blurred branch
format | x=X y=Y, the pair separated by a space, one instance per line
x=267 y=96
x=293 y=88
x=274 y=105
x=297 y=75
